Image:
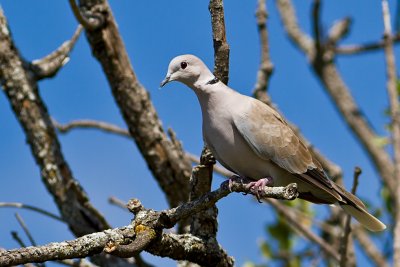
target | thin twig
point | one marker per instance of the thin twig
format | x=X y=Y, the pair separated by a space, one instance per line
x=25 y=228
x=339 y=30
x=369 y=248
x=394 y=106
x=316 y=13
x=354 y=49
x=343 y=250
x=304 y=230
x=17 y=239
x=33 y=208
x=117 y=202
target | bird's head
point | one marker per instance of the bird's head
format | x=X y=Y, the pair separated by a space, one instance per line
x=187 y=69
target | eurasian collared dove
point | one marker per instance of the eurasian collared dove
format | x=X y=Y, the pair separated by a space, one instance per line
x=252 y=140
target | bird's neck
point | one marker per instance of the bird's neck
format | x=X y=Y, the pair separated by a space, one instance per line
x=210 y=93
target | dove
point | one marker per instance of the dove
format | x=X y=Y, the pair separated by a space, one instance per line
x=253 y=141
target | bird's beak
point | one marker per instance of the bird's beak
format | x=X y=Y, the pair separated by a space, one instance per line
x=165 y=81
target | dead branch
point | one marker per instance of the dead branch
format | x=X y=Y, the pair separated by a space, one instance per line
x=292 y=219
x=29 y=207
x=369 y=248
x=326 y=71
x=296 y=35
x=339 y=30
x=347 y=256
x=23 y=94
x=221 y=47
x=266 y=67
x=91 y=124
x=90 y=21
x=49 y=65
x=354 y=49
x=145 y=229
x=168 y=163
x=394 y=107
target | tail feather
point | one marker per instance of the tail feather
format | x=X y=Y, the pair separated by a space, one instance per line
x=365 y=218
x=354 y=206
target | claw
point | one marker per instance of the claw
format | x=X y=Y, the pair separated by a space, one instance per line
x=257 y=187
x=254 y=187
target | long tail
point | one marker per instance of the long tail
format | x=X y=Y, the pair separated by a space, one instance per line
x=365 y=218
x=354 y=206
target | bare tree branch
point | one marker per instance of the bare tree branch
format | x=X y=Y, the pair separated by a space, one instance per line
x=347 y=257
x=333 y=83
x=289 y=19
x=204 y=224
x=17 y=239
x=31 y=112
x=22 y=92
x=221 y=47
x=168 y=163
x=362 y=48
x=88 y=22
x=339 y=30
x=49 y=65
x=394 y=106
x=304 y=230
x=266 y=67
x=91 y=124
x=29 y=207
x=145 y=229
x=369 y=248
x=117 y=202
x=25 y=228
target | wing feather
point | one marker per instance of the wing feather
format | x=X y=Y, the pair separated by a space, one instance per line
x=269 y=135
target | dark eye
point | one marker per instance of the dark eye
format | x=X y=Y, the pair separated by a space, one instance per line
x=183 y=65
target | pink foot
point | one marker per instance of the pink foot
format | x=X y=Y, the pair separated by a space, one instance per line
x=254 y=187
x=257 y=187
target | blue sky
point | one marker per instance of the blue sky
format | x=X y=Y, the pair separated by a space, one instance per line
x=153 y=34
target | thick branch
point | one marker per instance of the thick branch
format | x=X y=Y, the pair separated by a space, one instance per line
x=221 y=47
x=167 y=162
x=394 y=106
x=145 y=229
x=289 y=20
x=204 y=224
x=190 y=248
x=79 y=248
x=49 y=65
x=22 y=92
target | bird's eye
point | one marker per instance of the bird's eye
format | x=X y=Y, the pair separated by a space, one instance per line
x=184 y=65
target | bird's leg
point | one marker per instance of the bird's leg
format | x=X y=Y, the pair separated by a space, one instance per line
x=257 y=187
x=254 y=187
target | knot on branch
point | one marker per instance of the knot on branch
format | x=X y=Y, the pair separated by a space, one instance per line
x=207 y=157
x=134 y=205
